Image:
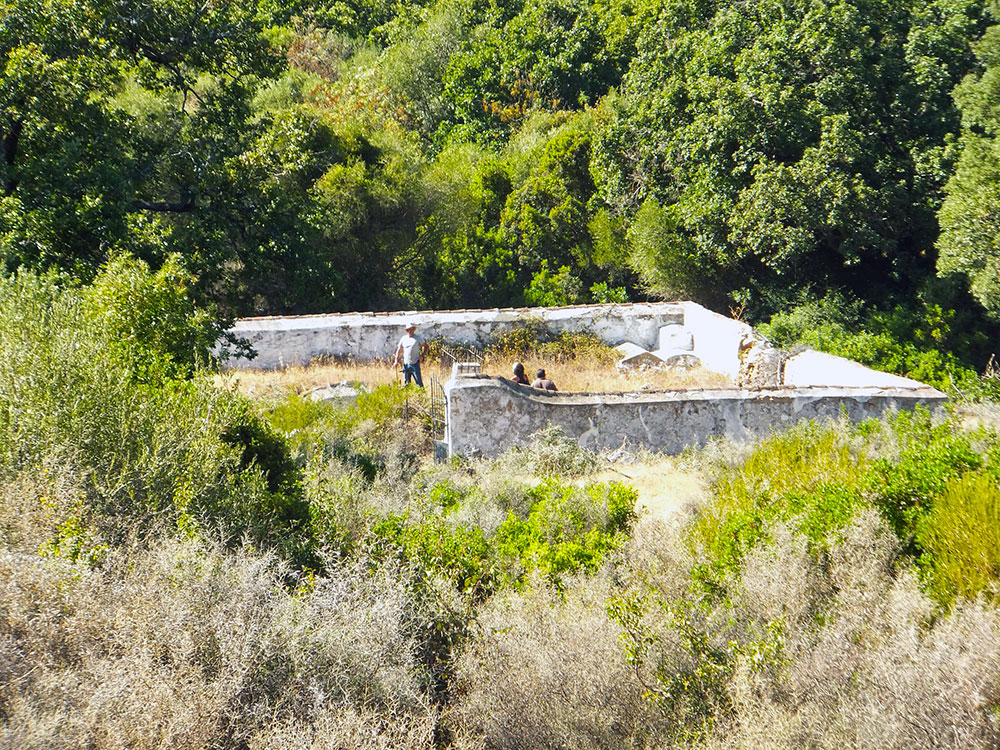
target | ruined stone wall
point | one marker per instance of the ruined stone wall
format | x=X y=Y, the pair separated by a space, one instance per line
x=486 y=415
x=297 y=340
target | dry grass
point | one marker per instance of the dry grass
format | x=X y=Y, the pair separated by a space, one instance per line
x=860 y=659
x=185 y=646
x=581 y=374
x=881 y=672
x=547 y=671
x=666 y=488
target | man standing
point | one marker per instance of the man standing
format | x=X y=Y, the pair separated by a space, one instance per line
x=411 y=348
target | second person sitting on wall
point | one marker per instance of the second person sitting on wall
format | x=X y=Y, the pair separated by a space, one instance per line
x=543 y=383
x=411 y=348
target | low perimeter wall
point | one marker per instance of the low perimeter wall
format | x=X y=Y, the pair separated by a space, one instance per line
x=487 y=415
x=297 y=340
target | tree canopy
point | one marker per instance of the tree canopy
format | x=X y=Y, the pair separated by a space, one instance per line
x=324 y=156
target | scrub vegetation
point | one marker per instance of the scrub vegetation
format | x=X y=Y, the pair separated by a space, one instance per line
x=185 y=564
x=184 y=567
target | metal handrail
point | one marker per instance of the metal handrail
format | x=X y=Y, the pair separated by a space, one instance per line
x=463 y=354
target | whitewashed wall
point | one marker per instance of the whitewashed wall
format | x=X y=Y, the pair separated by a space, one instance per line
x=297 y=340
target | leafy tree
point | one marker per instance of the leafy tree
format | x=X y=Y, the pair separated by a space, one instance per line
x=969 y=215
x=63 y=171
x=366 y=211
x=545 y=218
x=792 y=143
x=118 y=121
x=412 y=68
x=549 y=55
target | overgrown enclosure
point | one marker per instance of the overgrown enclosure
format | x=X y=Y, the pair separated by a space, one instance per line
x=184 y=567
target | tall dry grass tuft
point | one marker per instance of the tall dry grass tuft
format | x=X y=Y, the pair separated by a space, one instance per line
x=349 y=728
x=863 y=662
x=548 y=671
x=183 y=645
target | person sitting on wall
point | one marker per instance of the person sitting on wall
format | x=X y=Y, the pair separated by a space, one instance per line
x=412 y=348
x=543 y=383
x=519 y=377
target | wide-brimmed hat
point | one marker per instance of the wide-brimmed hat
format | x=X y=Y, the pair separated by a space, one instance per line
x=410 y=325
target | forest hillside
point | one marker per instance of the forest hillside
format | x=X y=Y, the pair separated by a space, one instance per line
x=832 y=163
x=185 y=566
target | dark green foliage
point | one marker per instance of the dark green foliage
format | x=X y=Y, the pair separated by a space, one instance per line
x=969 y=215
x=548 y=55
x=103 y=146
x=926 y=342
x=777 y=136
x=264 y=449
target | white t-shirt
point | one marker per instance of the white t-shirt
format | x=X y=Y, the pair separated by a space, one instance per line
x=411 y=348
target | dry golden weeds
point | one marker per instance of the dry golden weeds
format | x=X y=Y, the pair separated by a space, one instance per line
x=547 y=670
x=666 y=488
x=580 y=374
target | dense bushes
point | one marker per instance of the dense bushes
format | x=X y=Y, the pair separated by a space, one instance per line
x=186 y=645
x=92 y=389
x=180 y=566
x=914 y=470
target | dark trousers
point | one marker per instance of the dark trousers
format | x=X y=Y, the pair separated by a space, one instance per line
x=412 y=371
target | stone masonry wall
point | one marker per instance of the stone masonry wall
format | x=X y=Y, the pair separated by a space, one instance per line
x=297 y=340
x=486 y=415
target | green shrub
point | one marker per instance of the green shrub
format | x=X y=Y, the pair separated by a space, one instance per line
x=930 y=454
x=810 y=472
x=961 y=536
x=816 y=477
x=87 y=394
x=567 y=529
x=434 y=547
x=150 y=318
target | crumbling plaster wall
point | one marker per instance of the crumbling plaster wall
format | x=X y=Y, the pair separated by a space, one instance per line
x=487 y=415
x=297 y=340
